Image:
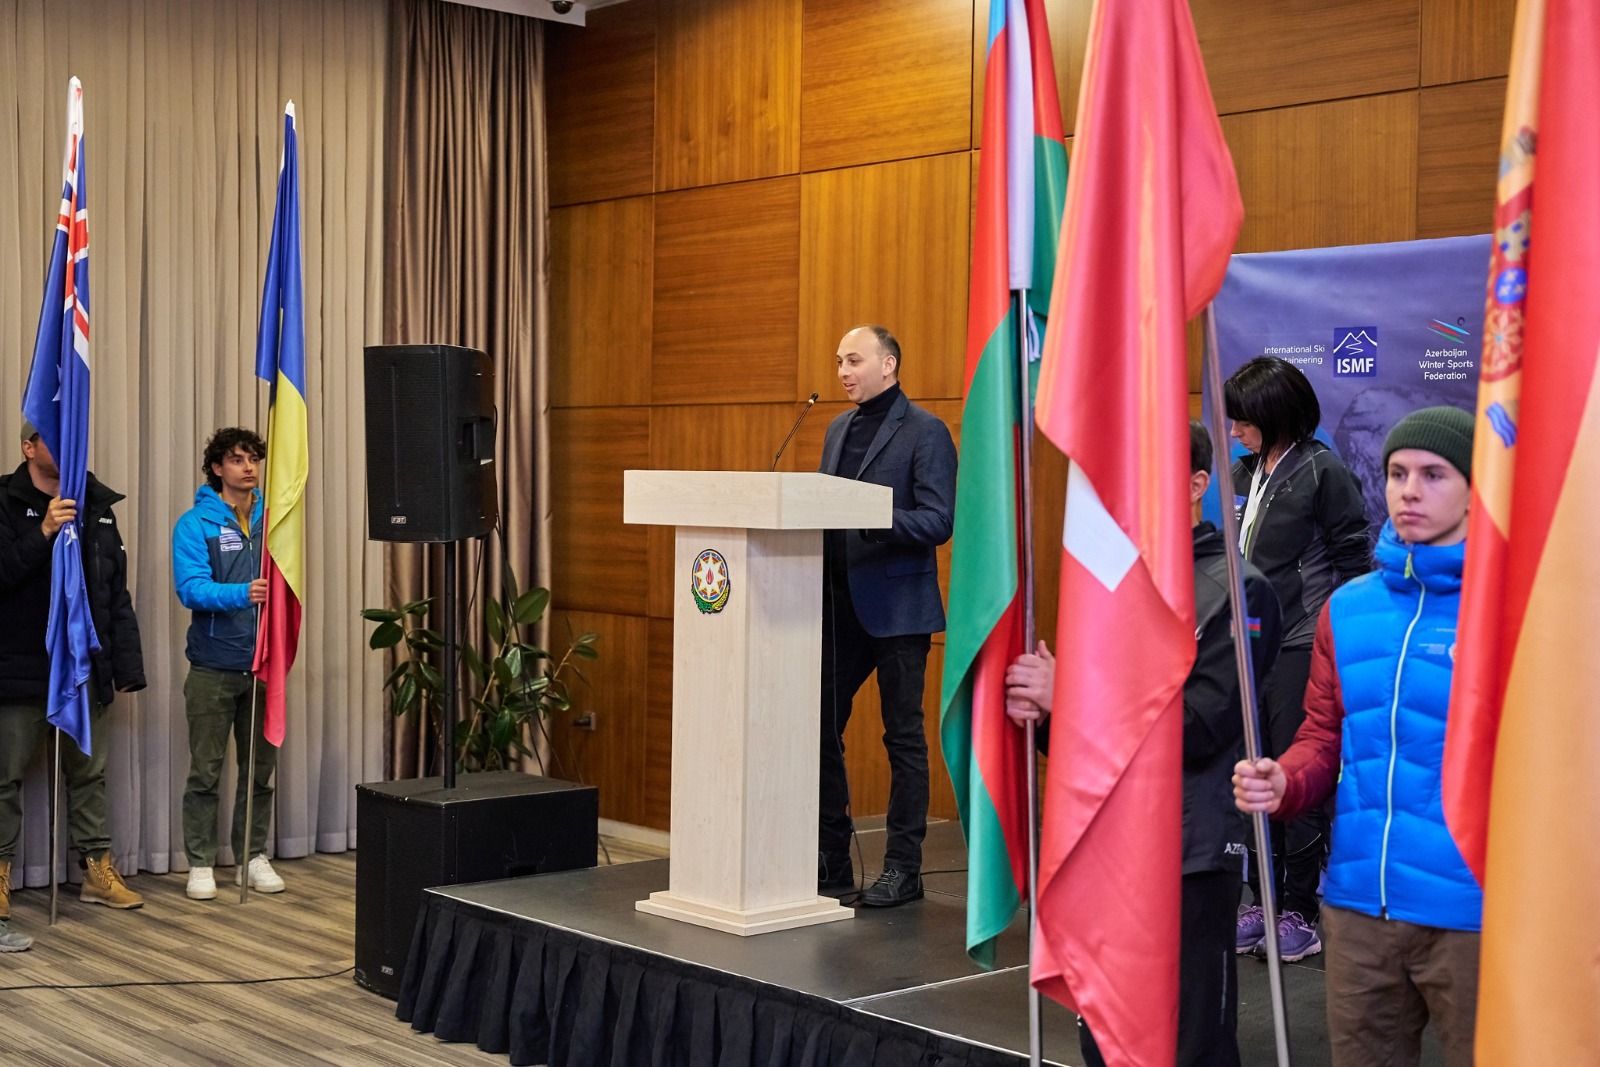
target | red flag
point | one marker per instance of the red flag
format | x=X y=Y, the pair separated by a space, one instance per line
x=1520 y=788
x=1152 y=213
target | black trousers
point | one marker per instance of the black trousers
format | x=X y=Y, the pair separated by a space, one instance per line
x=1208 y=985
x=1299 y=848
x=849 y=655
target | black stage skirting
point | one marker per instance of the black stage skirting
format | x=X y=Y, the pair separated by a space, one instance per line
x=560 y=969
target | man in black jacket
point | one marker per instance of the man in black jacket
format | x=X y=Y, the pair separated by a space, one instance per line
x=31 y=515
x=880 y=606
x=1213 y=732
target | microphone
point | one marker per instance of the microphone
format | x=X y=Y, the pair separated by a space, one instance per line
x=811 y=402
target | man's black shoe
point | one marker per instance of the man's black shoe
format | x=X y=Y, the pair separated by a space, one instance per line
x=892 y=889
x=834 y=877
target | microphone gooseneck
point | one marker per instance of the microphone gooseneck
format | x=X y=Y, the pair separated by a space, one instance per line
x=811 y=402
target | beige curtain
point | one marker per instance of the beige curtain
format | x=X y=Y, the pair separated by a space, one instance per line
x=184 y=102
x=466 y=263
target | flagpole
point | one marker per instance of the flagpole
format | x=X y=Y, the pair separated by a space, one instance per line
x=1247 y=689
x=55 y=824
x=250 y=771
x=1031 y=760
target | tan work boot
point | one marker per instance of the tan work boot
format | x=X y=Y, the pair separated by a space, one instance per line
x=103 y=885
x=5 y=890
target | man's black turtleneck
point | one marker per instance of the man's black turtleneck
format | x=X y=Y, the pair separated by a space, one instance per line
x=863 y=428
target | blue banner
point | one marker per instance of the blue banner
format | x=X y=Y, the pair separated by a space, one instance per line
x=1380 y=330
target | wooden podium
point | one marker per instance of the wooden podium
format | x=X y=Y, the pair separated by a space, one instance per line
x=746 y=686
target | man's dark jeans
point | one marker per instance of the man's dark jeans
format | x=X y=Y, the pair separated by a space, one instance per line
x=849 y=655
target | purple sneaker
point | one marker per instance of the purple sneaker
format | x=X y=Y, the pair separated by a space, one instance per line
x=1297 y=938
x=1252 y=930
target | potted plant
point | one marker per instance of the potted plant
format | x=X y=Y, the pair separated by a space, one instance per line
x=511 y=685
x=495 y=822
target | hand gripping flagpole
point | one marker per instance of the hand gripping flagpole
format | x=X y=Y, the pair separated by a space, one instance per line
x=1242 y=661
x=1031 y=760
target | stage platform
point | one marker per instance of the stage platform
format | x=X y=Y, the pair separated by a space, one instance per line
x=561 y=969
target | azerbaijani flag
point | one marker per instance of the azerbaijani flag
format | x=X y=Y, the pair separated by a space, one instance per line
x=56 y=401
x=1152 y=214
x=1520 y=790
x=1021 y=189
x=281 y=361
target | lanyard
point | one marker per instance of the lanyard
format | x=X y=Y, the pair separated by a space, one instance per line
x=1258 y=492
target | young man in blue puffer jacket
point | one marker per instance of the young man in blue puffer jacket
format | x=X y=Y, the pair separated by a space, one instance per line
x=1401 y=909
x=216 y=567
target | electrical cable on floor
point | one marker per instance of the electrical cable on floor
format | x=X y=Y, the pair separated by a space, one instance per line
x=185 y=981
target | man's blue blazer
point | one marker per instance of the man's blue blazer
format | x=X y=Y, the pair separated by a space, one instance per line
x=894 y=573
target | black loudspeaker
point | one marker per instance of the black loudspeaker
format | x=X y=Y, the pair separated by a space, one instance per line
x=413 y=834
x=430 y=443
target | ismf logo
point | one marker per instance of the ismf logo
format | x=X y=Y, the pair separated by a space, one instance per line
x=1355 y=352
x=710 y=582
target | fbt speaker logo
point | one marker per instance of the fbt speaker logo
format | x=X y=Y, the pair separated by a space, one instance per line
x=1355 y=352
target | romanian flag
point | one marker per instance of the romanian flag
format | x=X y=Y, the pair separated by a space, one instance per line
x=1521 y=791
x=281 y=361
x=1022 y=176
x=56 y=401
x=1152 y=214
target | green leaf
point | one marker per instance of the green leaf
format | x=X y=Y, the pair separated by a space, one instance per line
x=430 y=675
x=387 y=635
x=417 y=608
x=589 y=638
x=513 y=661
x=496 y=616
x=585 y=651
x=400 y=671
x=424 y=640
x=530 y=606
x=503 y=675
x=405 y=697
x=380 y=615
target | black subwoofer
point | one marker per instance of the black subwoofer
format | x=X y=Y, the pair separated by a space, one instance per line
x=413 y=834
x=430 y=443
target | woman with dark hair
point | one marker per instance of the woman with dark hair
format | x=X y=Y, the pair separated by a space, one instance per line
x=1302 y=523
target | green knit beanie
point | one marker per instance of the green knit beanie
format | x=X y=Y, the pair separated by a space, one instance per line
x=1444 y=431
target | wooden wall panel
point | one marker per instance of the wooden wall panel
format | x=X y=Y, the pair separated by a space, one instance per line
x=1458 y=157
x=658 y=729
x=601 y=260
x=727 y=91
x=887 y=243
x=726 y=293
x=1272 y=53
x=600 y=105
x=1327 y=174
x=612 y=756
x=885 y=80
x=599 y=563
x=1466 y=39
x=726 y=437
x=1069 y=40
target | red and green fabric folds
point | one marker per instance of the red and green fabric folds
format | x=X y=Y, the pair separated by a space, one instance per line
x=1021 y=189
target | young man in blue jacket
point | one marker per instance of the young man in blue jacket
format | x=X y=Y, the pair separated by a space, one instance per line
x=216 y=565
x=1401 y=910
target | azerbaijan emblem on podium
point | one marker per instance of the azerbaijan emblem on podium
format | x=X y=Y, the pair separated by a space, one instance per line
x=709 y=582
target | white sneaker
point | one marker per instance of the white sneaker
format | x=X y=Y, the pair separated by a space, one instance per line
x=202 y=884
x=263 y=879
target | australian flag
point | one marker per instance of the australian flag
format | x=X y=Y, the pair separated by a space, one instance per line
x=57 y=403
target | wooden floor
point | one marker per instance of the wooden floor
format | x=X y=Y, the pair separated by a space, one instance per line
x=308 y=930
